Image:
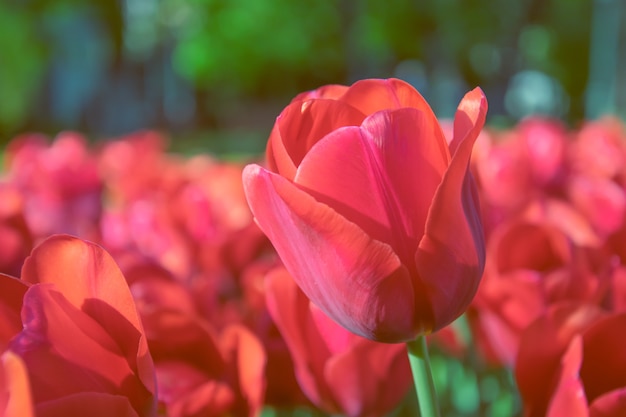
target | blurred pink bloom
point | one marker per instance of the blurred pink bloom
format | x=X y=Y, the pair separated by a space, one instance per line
x=59 y=182
x=337 y=370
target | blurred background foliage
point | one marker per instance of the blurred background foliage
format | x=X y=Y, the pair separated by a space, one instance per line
x=197 y=67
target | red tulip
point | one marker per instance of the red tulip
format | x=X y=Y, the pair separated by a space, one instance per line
x=371 y=210
x=80 y=338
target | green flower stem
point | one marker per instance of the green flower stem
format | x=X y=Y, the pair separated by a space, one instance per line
x=423 y=377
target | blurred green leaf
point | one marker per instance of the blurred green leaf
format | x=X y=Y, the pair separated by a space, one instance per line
x=22 y=65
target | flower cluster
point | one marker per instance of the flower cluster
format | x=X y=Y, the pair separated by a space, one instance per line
x=158 y=307
x=138 y=282
x=551 y=302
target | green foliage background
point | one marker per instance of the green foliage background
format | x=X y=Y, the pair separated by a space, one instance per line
x=110 y=67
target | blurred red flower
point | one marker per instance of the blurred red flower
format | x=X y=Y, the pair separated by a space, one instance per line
x=372 y=211
x=202 y=369
x=338 y=371
x=572 y=362
x=71 y=323
x=202 y=373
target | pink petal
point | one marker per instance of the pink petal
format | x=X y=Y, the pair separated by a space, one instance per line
x=451 y=256
x=381 y=176
x=300 y=126
x=357 y=281
x=601 y=200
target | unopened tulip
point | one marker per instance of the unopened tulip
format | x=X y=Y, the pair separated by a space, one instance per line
x=371 y=210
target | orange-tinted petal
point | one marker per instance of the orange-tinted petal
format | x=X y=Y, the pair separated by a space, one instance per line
x=372 y=95
x=333 y=91
x=248 y=359
x=60 y=340
x=15 y=395
x=85 y=272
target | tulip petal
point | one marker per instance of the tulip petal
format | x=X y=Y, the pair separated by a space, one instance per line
x=80 y=270
x=359 y=378
x=247 y=357
x=569 y=395
x=304 y=123
x=611 y=404
x=604 y=363
x=186 y=390
x=541 y=346
x=351 y=277
x=93 y=404
x=15 y=395
x=332 y=91
x=58 y=339
x=12 y=292
x=289 y=309
x=451 y=256
x=372 y=95
x=381 y=176
x=85 y=272
x=171 y=332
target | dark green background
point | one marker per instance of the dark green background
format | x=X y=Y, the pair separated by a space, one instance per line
x=225 y=68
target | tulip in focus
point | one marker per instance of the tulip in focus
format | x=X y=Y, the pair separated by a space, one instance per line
x=371 y=209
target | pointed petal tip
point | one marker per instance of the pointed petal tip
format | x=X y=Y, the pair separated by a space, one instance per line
x=474 y=102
